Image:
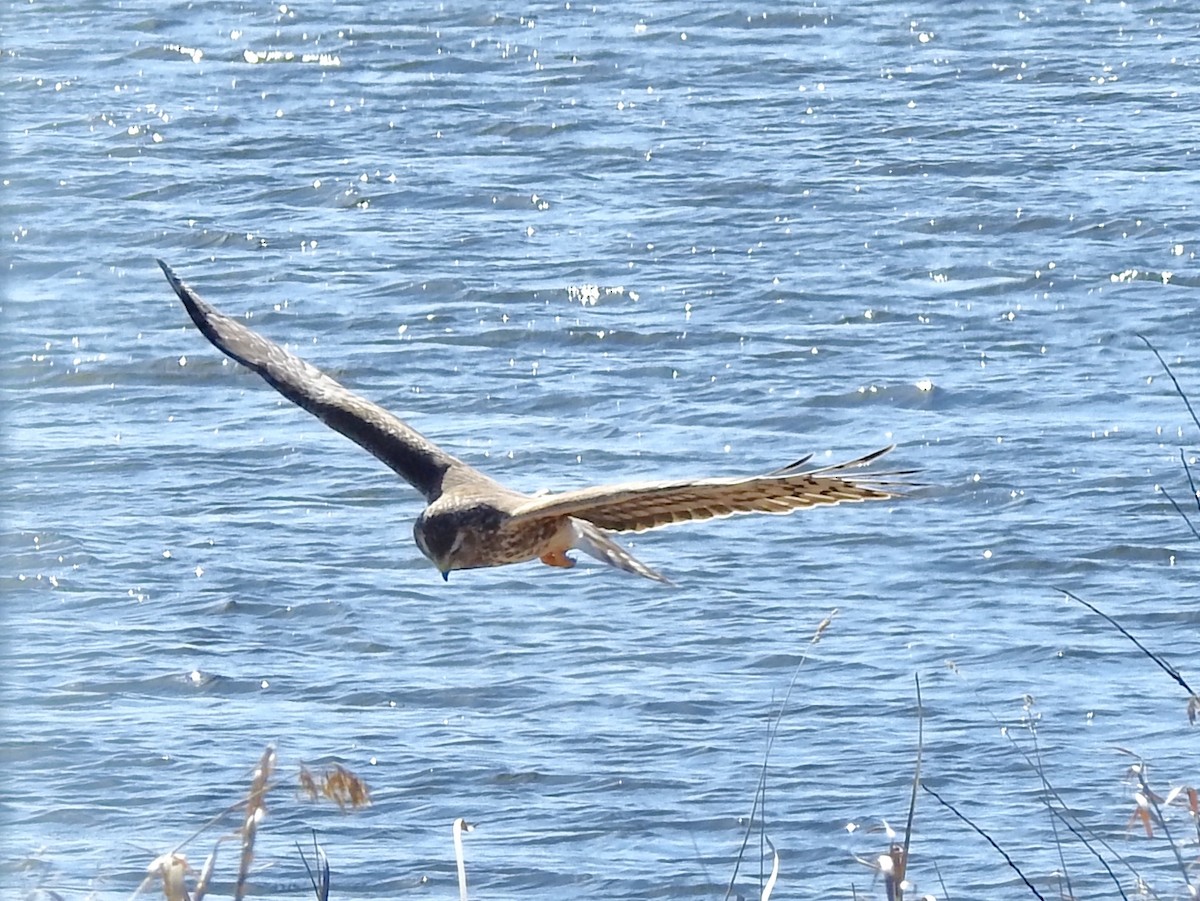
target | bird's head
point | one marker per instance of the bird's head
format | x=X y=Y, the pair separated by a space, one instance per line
x=441 y=540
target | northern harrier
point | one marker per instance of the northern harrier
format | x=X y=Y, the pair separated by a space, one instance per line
x=472 y=521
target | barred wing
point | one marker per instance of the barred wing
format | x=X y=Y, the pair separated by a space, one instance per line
x=637 y=506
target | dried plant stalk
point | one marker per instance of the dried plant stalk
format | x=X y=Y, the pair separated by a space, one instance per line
x=256 y=810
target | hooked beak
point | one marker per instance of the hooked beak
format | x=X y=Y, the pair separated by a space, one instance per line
x=445 y=575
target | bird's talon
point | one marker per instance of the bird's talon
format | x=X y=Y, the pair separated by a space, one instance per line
x=557 y=558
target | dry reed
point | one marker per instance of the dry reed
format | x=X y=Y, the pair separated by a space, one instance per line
x=171 y=870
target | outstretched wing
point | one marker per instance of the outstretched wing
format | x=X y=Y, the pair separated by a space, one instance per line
x=401 y=447
x=638 y=506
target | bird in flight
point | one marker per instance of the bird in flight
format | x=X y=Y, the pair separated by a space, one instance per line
x=473 y=521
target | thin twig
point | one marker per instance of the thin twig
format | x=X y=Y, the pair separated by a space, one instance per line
x=1188 y=472
x=1066 y=821
x=912 y=801
x=1041 y=771
x=1178 y=389
x=1079 y=835
x=208 y=824
x=1182 y=457
x=990 y=840
x=1162 y=664
x=1006 y=732
x=941 y=881
x=319 y=880
x=762 y=812
x=1179 y=509
x=762 y=776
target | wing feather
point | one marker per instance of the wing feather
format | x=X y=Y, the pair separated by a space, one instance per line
x=403 y=448
x=637 y=506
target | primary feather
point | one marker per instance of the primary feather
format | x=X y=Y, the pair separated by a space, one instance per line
x=403 y=448
x=637 y=506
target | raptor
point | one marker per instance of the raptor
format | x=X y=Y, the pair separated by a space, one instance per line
x=471 y=521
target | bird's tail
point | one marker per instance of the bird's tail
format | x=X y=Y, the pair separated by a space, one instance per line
x=595 y=543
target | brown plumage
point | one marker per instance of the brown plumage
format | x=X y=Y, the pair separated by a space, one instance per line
x=473 y=521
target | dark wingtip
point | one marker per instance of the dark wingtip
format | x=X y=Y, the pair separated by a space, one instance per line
x=791 y=467
x=200 y=311
x=175 y=281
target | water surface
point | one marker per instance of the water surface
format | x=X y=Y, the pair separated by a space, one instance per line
x=577 y=243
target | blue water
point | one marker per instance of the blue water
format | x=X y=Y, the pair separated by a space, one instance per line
x=578 y=243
